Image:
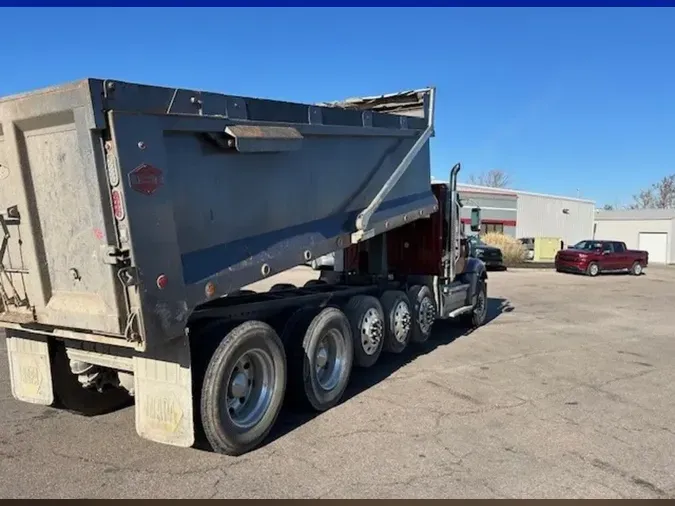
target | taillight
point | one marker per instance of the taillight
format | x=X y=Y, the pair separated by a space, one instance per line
x=118 y=204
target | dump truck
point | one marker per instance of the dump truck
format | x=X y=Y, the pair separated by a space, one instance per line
x=134 y=217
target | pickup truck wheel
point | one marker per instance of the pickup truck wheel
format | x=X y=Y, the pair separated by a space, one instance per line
x=72 y=396
x=397 y=321
x=423 y=311
x=593 y=269
x=367 y=322
x=243 y=389
x=321 y=360
x=636 y=269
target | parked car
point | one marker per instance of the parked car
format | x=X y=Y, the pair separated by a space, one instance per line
x=592 y=257
x=528 y=244
x=491 y=256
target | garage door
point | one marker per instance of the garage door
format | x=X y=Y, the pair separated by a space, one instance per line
x=656 y=244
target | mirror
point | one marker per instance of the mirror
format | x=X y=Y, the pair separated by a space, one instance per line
x=475 y=219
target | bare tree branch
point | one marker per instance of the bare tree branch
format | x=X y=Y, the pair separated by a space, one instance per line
x=494 y=178
x=660 y=195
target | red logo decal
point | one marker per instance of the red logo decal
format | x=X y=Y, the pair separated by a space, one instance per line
x=146 y=179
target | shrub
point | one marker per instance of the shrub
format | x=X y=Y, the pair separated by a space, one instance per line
x=513 y=250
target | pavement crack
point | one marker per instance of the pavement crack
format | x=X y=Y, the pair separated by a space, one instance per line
x=217 y=483
x=110 y=467
x=455 y=393
x=611 y=469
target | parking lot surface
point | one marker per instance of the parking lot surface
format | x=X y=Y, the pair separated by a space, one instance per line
x=569 y=391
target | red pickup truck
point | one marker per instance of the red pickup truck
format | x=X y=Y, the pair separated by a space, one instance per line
x=594 y=257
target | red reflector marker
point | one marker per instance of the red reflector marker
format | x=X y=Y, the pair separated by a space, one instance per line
x=162 y=281
x=118 y=205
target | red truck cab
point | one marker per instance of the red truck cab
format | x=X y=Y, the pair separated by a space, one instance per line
x=592 y=257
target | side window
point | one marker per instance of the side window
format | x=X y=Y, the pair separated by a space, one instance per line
x=607 y=247
x=619 y=247
x=492 y=227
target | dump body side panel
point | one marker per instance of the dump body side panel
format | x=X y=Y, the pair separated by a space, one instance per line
x=219 y=219
x=56 y=208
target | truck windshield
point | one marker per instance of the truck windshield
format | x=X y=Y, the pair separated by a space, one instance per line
x=587 y=245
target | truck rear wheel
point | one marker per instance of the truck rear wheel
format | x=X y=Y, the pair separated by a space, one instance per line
x=636 y=269
x=72 y=396
x=315 y=282
x=397 y=320
x=367 y=322
x=280 y=287
x=322 y=358
x=423 y=312
x=243 y=389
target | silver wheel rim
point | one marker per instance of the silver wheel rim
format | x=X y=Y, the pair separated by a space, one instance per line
x=426 y=315
x=401 y=321
x=594 y=269
x=329 y=359
x=638 y=269
x=249 y=388
x=371 y=331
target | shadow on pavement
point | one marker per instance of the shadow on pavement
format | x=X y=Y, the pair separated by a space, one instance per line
x=444 y=333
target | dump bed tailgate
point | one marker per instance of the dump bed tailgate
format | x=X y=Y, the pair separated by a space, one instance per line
x=56 y=219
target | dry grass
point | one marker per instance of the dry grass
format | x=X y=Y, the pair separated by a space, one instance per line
x=512 y=249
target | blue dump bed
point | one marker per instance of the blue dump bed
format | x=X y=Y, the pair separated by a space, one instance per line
x=126 y=206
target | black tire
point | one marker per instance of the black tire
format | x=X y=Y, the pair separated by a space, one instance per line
x=320 y=390
x=225 y=434
x=397 y=326
x=71 y=396
x=238 y=293
x=282 y=286
x=315 y=282
x=421 y=298
x=478 y=314
x=593 y=269
x=366 y=318
x=636 y=269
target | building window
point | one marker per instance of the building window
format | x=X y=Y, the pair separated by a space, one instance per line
x=492 y=227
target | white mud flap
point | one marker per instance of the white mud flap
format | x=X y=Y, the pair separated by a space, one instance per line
x=29 y=369
x=163 y=392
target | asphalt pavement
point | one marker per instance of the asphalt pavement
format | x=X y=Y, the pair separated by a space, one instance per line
x=568 y=391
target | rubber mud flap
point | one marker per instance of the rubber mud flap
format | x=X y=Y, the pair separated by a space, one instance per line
x=30 y=369
x=163 y=390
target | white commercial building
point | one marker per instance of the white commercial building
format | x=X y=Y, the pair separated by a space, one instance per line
x=526 y=214
x=541 y=215
x=651 y=230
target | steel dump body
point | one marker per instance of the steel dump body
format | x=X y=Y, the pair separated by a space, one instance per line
x=126 y=206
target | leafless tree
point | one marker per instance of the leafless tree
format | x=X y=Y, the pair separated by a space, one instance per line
x=608 y=207
x=660 y=195
x=494 y=178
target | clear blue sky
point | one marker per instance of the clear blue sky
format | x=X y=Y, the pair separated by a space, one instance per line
x=561 y=99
